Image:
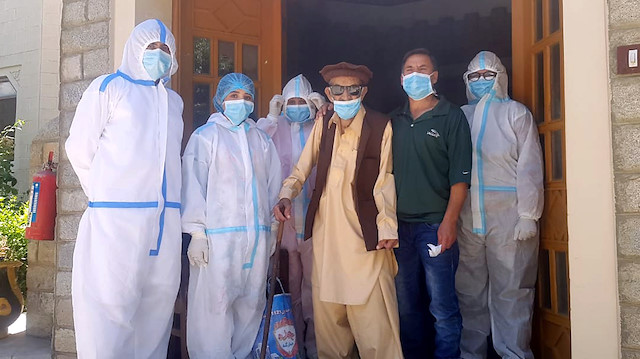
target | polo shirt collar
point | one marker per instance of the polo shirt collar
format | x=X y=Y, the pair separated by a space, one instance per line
x=441 y=109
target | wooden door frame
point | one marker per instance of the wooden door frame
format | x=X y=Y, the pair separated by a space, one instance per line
x=520 y=37
x=182 y=80
x=551 y=326
x=593 y=270
x=270 y=54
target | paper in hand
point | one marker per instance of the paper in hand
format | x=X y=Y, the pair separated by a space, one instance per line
x=434 y=250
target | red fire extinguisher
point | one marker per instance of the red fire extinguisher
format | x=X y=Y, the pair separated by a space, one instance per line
x=42 y=206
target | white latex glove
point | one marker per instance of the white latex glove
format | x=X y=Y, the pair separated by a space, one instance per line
x=198 y=251
x=317 y=99
x=275 y=105
x=525 y=229
x=434 y=250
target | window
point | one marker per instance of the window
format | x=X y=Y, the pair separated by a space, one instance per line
x=7 y=103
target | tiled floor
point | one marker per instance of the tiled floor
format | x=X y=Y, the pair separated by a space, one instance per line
x=20 y=346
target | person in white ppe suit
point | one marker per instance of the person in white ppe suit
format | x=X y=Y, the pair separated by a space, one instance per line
x=289 y=124
x=498 y=231
x=124 y=145
x=231 y=178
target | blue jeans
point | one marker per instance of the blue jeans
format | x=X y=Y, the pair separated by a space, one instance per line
x=417 y=270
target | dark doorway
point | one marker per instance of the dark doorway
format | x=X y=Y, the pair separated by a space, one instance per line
x=377 y=33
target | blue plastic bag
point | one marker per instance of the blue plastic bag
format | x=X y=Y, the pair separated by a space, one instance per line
x=282 y=334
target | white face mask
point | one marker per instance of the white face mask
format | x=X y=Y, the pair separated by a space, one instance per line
x=347 y=110
x=237 y=111
x=417 y=85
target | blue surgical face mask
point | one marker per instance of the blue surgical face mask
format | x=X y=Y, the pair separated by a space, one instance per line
x=481 y=87
x=417 y=85
x=298 y=113
x=237 y=111
x=157 y=63
x=347 y=109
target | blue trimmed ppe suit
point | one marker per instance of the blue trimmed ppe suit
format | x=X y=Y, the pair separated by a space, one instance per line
x=124 y=145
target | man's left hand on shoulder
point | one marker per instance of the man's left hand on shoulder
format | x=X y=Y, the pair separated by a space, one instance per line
x=387 y=244
x=447 y=233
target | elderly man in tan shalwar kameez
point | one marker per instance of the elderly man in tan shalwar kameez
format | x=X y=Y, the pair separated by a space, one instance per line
x=352 y=219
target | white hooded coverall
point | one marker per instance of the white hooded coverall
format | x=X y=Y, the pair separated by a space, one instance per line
x=231 y=179
x=124 y=145
x=290 y=138
x=497 y=273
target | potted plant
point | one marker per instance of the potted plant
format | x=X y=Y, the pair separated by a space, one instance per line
x=11 y=300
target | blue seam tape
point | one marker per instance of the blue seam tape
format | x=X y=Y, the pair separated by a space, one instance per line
x=223 y=230
x=155 y=252
x=500 y=188
x=163 y=31
x=137 y=82
x=254 y=196
x=105 y=82
x=482 y=229
x=481 y=59
x=173 y=205
x=108 y=79
x=123 y=204
x=132 y=204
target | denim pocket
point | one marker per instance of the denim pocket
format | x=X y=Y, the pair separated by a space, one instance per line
x=427 y=233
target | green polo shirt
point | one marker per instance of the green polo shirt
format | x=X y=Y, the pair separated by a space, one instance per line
x=430 y=155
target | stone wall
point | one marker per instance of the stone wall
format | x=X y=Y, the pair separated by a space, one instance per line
x=85 y=41
x=42 y=254
x=624 y=29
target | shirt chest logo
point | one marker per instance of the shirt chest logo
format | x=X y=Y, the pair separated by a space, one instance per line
x=433 y=133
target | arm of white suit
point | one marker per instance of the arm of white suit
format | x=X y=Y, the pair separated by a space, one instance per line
x=273 y=186
x=195 y=174
x=268 y=124
x=384 y=191
x=529 y=175
x=84 y=135
x=275 y=174
x=292 y=185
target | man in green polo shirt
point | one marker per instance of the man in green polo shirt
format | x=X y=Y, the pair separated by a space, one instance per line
x=432 y=165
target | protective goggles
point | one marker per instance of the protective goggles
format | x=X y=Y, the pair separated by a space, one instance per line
x=475 y=76
x=353 y=90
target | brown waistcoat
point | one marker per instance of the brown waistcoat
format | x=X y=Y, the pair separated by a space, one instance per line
x=367 y=171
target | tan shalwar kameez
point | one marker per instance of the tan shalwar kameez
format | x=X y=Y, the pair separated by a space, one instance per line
x=354 y=295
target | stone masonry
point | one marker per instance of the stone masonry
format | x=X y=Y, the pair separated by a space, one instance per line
x=84 y=51
x=624 y=29
x=42 y=254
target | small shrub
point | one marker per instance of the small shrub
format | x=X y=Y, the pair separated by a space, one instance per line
x=13 y=210
x=7 y=141
x=13 y=245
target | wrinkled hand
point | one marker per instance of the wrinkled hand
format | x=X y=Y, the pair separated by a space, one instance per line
x=447 y=234
x=282 y=210
x=323 y=110
x=387 y=244
x=317 y=99
x=275 y=105
x=198 y=251
x=525 y=229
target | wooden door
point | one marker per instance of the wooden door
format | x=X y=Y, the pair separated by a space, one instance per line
x=216 y=37
x=538 y=82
